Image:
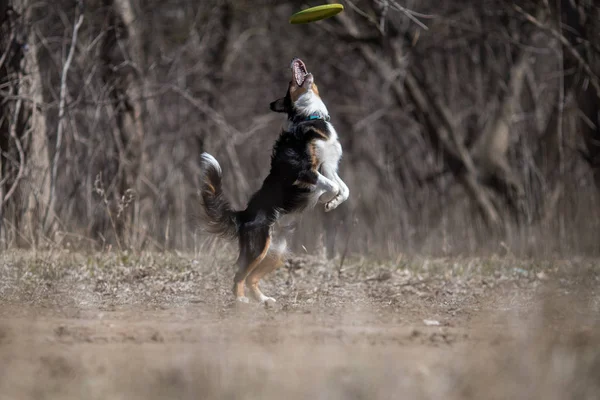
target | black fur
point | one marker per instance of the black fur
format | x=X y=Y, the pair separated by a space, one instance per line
x=279 y=193
x=283 y=105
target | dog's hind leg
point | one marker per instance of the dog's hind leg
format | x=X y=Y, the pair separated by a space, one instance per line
x=273 y=260
x=254 y=245
x=270 y=263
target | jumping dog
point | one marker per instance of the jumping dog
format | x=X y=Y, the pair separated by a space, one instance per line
x=304 y=172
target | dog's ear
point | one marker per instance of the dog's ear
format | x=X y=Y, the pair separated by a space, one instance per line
x=278 y=105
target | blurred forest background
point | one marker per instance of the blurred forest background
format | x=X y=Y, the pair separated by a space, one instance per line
x=467 y=125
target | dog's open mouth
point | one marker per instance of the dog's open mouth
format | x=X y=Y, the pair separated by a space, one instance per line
x=299 y=71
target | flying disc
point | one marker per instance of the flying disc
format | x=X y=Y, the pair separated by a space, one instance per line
x=316 y=13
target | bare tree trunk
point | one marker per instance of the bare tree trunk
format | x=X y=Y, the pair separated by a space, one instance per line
x=38 y=189
x=26 y=135
x=128 y=93
x=490 y=152
x=6 y=42
x=580 y=24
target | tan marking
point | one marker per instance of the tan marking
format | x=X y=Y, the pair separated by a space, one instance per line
x=315 y=89
x=321 y=133
x=260 y=257
x=238 y=287
x=211 y=187
x=269 y=264
x=312 y=149
x=296 y=91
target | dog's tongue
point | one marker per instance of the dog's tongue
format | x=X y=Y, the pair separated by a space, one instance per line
x=299 y=71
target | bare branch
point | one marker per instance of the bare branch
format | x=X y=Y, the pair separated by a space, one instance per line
x=411 y=14
x=439 y=127
x=13 y=135
x=7 y=51
x=594 y=80
x=61 y=114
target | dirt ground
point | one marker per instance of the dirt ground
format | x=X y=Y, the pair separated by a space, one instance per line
x=164 y=326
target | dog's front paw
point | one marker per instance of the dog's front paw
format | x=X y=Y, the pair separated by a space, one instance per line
x=330 y=195
x=327 y=197
x=331 y=205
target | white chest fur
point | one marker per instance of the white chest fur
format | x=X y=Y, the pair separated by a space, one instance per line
x=329 y=152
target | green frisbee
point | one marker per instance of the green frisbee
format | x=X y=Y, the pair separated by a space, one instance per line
x=316 y=13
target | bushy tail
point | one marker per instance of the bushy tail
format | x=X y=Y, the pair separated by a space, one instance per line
x=218 y=216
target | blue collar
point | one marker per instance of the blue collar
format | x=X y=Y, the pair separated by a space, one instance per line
x=321 y=117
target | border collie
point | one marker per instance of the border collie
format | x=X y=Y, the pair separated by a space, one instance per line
x=304 y=171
